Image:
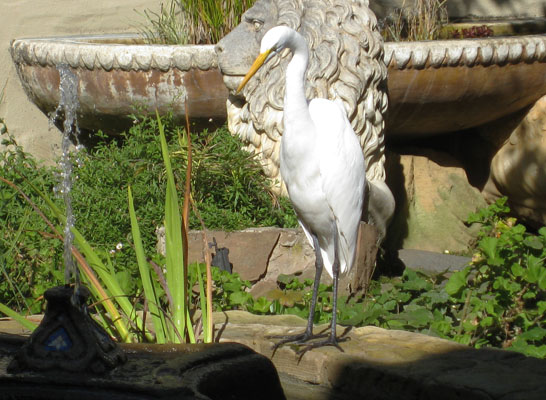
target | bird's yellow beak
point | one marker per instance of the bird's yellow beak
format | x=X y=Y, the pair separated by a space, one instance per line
x=255 y=67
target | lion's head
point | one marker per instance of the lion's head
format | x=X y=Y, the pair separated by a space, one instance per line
x=346 y=62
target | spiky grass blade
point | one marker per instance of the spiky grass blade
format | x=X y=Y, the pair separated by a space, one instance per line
x=145 y=275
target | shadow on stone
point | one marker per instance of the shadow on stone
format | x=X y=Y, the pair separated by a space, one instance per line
x=70 y=356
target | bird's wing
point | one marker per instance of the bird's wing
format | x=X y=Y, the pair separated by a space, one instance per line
x=343 y=172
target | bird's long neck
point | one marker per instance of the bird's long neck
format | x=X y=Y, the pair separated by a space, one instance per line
x=295 y=104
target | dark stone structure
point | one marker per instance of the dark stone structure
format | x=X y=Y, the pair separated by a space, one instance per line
x=68 y=338
x=69 y=356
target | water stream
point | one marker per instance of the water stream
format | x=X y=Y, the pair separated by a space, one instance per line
x=68 y=105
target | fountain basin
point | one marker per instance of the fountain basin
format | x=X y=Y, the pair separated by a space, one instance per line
x=434 y=86
x=118 y=74
x=451 y=85
x=170 y=371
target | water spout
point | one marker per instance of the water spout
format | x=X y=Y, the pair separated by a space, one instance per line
x=68 y=105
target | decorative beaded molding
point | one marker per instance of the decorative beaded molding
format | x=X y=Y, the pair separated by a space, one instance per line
x=465 y=52
x=100 y=52
x=88 y=52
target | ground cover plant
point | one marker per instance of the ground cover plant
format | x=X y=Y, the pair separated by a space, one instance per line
x=229 y=189
x=193 y=21
x=499 y=300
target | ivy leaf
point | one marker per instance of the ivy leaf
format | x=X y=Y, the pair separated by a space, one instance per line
x=533 y=242
x=456 y=282
x=261 y=305
x=542 y=279
x=488 y=245
x=517 y=269
x=534 y=334
x=487 y=321
x=240 y=298
x=535 y=267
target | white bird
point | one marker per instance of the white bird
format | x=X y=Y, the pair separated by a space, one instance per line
x=323 y=167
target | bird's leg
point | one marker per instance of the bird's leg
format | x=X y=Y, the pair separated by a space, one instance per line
x=332 y=340
x=308 y=333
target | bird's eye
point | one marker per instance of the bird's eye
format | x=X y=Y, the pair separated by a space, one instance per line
x=257 y=24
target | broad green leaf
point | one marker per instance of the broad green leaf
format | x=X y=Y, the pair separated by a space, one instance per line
x=541 y=305
x=535 y=333
x=489 y=246
x=456 y=282
x=533 y=242
x=261 y=305
x=542 y=279
x=535 y=266
x=517 y=269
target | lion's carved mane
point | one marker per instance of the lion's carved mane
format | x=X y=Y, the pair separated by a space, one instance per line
x=346 y=63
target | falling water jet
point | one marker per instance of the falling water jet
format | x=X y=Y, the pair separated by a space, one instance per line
x=68 y=105
x=68 y=339
x=70 y=355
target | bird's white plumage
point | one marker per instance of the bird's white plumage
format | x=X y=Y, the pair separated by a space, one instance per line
x=321 y=160
x=327 y=183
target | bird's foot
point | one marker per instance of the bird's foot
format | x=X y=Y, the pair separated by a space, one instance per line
x=330 y=341
x=295 y=339
x=308 y=340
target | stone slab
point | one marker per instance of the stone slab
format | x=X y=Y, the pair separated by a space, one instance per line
x=389 y=364
x=381 y=364
x=428 y=261
x=260 y=255
x=182 y=372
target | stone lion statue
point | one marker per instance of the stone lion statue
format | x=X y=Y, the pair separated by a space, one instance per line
x=346 y=63
x=518 y=167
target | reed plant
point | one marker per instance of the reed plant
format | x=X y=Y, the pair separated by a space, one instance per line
x=165 y=295
x=422 y=20
x=193 y=21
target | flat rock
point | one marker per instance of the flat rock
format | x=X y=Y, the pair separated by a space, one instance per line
x=249 y=250
x=390 y=364
x=182 y=372
x=428 y=261
x=433 y=201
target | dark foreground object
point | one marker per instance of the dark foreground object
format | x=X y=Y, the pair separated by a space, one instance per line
x=69 y=356
x=200 y=371
x=68 y=338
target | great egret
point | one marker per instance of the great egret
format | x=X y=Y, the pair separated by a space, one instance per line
x=323 y=167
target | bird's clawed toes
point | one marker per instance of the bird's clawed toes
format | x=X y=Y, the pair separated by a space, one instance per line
x=309 y=341
x=331 y=341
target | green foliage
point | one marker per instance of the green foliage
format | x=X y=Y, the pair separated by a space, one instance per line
x=193 y=21
x=420 y=20
x=229 y=189
x=499 y=300
x=30 y=261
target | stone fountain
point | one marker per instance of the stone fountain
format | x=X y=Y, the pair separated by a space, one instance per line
x=160 y=371
x=435 y=88
x=71 y=353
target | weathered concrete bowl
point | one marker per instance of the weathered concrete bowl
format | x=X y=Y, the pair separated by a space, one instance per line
x=118 y=73
x=451 y=85
x=434 y=86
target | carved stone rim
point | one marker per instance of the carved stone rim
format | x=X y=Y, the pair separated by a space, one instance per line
x=100 y=52
x=466 y=52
